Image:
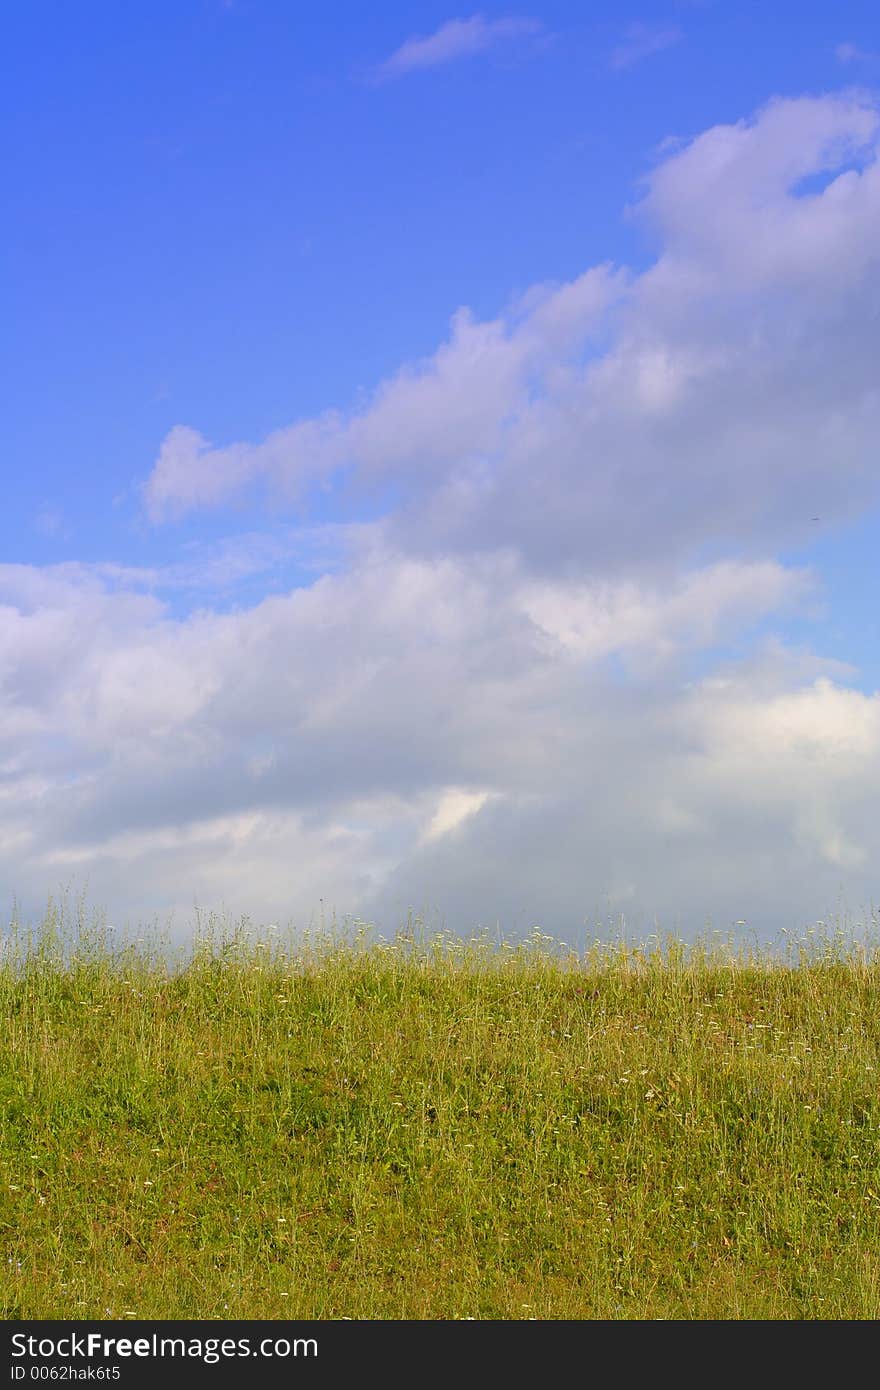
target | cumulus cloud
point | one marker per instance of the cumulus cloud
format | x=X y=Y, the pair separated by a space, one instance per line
x=738 y=368
x=189 y=473
x=456 y=39
x=511 y=697
x=679 y=810
x=432 y=734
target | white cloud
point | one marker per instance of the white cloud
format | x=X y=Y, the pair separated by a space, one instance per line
x=640 y=41
x=648 y=624
x=503 y=698
x=726 y=799
x=729 y=201
x=739 y=366
x=456 y=39
x=189 y=473
x=454 y=808
x=411 y=725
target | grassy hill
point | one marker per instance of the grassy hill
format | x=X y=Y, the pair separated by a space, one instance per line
x=439 y=1130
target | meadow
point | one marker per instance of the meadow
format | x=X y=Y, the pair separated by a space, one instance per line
x=432 y=1128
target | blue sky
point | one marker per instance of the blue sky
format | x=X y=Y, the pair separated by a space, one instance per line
x=416 y=421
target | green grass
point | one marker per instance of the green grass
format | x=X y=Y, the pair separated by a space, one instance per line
x=438 y=1130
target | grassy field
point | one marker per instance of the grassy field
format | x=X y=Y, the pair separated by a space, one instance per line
x=438 y=1130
